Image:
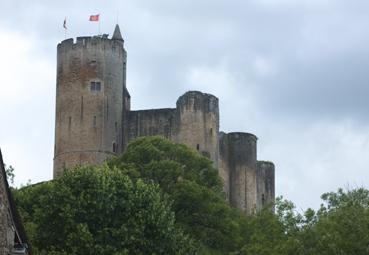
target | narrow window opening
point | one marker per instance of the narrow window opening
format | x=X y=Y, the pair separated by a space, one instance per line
x=107 y=108
x=95 y=86
x=115 y=147
x=81 y=107
x=263 y=199
x=116 y=127
x=69 y=122
x=94 y=122
x=198 y=147
x=211 y=131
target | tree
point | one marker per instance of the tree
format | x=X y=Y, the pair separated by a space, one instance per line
x=343 y=223
x=164 y=162
x=99 y=210
x=158 y=197
x=274 y=233
x=9 y=171
x=341 y=226
x=194 y=186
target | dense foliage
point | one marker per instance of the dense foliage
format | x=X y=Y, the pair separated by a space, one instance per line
x=100 y=211
x=163 y=198
x=193 y=185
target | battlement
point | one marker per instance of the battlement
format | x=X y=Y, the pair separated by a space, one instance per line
x=266 y=163
x=197 y=100
x=239 y=135
x=99 y=41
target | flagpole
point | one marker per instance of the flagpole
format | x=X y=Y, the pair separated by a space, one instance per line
x=98 y=21
x=65 y=27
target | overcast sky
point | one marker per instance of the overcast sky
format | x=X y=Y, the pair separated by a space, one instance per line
x=293 y=72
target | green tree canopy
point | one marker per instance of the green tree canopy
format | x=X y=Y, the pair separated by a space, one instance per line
x=340 y=226
x=164 y=198
x=99 y=210
x=194 y=186
x=164 y=162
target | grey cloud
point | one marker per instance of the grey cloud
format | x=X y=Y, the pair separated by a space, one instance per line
x=284 y=70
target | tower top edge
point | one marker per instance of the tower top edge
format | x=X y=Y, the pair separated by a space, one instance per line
x=241 y=134
x=84 y=40
x=265 y=162
x=197 y=94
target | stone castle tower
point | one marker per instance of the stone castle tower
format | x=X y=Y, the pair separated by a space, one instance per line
x=94 y=121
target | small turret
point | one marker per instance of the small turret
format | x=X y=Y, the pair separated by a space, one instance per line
x=117 y=35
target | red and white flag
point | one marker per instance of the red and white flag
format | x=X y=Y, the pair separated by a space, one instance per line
x=94 y=17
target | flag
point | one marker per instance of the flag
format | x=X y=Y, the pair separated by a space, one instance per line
x=94 y=17
x=65 y=23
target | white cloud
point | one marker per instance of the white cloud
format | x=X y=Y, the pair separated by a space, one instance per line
x=27 y=95
x=315 y=158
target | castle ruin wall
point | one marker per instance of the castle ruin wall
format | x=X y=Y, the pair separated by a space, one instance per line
x=152 y=122
x=238 y=154
x=265 y=183
x=198 y=123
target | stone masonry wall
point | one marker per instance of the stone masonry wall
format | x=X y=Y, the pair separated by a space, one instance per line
x=152 y=122
x=198 y=123
x=6 y=226
x=195 y=122
x=88 y=122
x=238 y=166
x=265 y=183
x=224 y=167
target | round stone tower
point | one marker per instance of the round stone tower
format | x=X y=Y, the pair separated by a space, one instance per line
x=242 y=171
x=198 y=123
x=265 y=183
x=89 y=100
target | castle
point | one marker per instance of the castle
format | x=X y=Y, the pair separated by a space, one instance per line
x=94 y=121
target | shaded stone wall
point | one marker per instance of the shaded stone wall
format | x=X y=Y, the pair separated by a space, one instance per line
x=6 y=226
x=224 y=170
x=195 y=122
x=265 y=183
x=152 y=122
x=198 y=123
x=88 y=122
x=11 y=227
x=238 y=157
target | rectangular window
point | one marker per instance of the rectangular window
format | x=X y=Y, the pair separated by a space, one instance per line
x=69 y=122
x=95 y=86
x=94 y=122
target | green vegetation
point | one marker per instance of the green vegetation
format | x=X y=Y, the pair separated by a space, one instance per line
x=9 y=171
x=163 y=198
